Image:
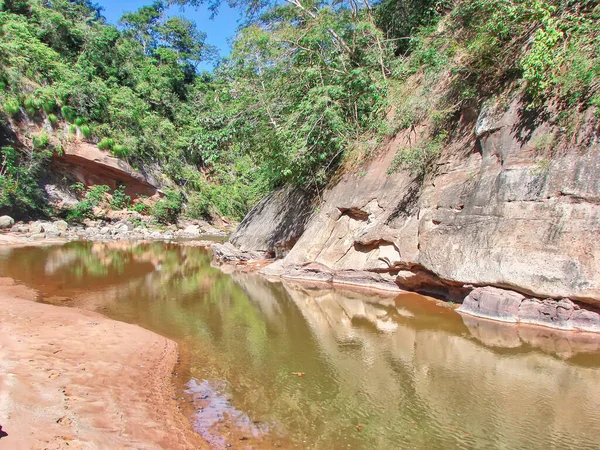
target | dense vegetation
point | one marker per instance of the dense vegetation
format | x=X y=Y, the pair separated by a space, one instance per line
x=308 y=86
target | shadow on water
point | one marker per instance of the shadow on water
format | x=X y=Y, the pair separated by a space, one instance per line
x=285 y=365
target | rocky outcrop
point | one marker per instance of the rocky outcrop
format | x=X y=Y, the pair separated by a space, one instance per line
x=227 y=253
x=89 y=165
x=275 y=224
x=501 y=207
x=508 y=306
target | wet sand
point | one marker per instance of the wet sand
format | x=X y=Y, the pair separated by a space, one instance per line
x=71 y=378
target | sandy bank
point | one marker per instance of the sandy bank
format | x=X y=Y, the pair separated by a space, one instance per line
x=74 y=379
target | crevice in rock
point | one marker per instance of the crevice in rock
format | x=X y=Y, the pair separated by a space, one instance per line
x=369 y=246
x=355 y=213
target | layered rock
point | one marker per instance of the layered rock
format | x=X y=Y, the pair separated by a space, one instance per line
x=508 y=306
x=89 y=165
x=500 y=208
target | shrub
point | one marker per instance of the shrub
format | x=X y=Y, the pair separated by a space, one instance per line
x=68 y=113
x=41 y=141
x=168 y=209
x=96 y=194
x=52 y=119
x=106 y=144
x=120 y=151
x=120 y=200
x=49 y=105
x=419 y=158
x=79 y=188
x=85 y=130
x=79 y=121
x=72 y=129
x=139 y=207
x=198 y=206
x=11 y=106
x=81 y=210
x=30 y=105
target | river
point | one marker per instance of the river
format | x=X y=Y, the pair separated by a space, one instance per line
x=275 y=364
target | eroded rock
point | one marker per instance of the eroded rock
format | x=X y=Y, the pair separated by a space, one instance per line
x=509 y=306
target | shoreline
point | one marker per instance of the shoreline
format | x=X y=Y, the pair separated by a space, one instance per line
x=500 y=305
x=73 y=378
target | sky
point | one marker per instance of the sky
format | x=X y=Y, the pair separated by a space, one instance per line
x=218 y=30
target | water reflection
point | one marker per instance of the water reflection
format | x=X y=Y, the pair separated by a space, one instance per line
x=411 y=373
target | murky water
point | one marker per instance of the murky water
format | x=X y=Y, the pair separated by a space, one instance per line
x=267 y=365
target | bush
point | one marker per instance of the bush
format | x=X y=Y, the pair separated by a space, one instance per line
x=139 y=207
x=198 y=206
x=11 y=106
x=96 y=194
x=106 y=144
x=418 y=159
x=120 y=151
x=49 y=106
x=79 y=121
x=30 y=105
x=85 y=130
x=41 y=140
x=52 y=119
x=168 y=209
x=81 y=210
x=68 y=113
x=120 y=200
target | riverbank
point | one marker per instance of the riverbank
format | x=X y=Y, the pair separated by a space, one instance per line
x=75 y=379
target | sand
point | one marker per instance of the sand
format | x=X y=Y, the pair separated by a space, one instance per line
x=73 y=379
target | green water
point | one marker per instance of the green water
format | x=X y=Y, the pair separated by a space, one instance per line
x=411 y=373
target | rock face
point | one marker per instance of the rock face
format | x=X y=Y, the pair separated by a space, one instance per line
x=274 y=225
x=500 y=208
x=508 y=306
x=90 y=165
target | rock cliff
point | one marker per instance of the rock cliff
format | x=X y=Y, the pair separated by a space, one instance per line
x=502 y=207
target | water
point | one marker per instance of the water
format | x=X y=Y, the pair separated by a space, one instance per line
x=377 y=372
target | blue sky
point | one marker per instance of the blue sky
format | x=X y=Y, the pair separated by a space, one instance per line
x=218 y=30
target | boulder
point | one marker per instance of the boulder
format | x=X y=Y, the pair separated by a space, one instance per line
x=61 y=225
x=228 y=253
x=36 y=227
x=493 y=303
x=6 y=222
x=509 y=306
x=19 y=228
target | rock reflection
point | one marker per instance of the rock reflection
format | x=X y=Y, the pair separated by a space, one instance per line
x=564 y=344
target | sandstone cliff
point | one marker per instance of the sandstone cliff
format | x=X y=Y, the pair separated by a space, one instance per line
x=502 y=207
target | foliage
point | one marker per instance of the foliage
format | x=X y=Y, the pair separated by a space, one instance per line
x=92 y=197
x=19 y=171
x=168 y=209
x=11 y=106
x=120 y=200
x=106 y=144
x=139 y=207
x=85 y=130
x=305 y=83
x=417 y=159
